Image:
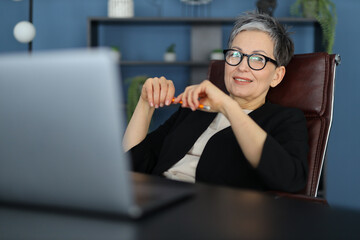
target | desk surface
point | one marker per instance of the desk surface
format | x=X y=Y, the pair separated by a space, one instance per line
x=212 y=213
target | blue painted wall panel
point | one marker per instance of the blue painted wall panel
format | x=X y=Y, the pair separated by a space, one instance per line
x=147 y=43
x=343 y=166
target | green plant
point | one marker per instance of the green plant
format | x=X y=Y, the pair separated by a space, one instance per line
x=324 y=11
x=218 y=50
x=134 y=92
x=115 y=48
x=171 y=48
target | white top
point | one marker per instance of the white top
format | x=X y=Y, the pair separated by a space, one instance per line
x=184 y=170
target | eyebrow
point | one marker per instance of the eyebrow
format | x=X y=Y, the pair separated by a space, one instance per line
x=255 y=51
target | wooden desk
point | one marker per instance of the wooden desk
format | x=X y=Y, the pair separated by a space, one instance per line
x=212 y=213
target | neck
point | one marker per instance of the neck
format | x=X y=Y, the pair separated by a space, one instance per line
x=249 y=105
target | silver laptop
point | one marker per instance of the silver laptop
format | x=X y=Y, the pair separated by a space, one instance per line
x=61 y=128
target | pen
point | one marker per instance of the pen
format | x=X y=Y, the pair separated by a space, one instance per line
x=200 y=106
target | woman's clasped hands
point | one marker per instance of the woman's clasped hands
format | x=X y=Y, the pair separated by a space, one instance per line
x=160 y=92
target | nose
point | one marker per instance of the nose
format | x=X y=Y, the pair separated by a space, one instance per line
x=243 y=65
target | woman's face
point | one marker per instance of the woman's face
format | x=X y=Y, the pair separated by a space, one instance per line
x=247 y=86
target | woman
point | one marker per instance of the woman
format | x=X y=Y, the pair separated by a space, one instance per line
x=242 y=140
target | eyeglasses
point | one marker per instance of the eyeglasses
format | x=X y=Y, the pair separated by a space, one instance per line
x=255 y=61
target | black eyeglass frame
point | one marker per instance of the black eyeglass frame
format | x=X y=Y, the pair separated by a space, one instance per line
x=267 y=59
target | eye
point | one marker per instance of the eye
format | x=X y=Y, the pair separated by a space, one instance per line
x=234 y=54
x=257 y=58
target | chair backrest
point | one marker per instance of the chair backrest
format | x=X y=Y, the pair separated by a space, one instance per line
x=308 y=85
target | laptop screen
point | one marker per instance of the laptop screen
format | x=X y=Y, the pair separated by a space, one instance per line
x=61 y=130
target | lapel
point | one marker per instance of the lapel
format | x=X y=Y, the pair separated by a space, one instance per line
x=180 y=140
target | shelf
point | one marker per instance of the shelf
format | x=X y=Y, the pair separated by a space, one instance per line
x=181 y=20
x=144 y=20
x=196 y=24
x=177 y=63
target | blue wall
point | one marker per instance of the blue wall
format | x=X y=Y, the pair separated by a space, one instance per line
x=62 y=24
x=343 y=169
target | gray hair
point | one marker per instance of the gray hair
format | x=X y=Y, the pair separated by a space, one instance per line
x=283 y=45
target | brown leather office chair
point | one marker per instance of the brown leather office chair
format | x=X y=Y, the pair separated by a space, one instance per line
x=308 y=85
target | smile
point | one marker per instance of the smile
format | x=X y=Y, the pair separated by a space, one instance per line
x=243 y=80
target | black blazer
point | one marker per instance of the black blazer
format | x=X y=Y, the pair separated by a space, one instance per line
x=283 y=163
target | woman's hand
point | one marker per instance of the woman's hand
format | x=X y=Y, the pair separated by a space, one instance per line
x=250 y=136
x=158 y=92
x=205 y=93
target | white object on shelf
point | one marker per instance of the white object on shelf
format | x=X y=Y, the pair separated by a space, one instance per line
x=216 y=56
x=170 y=57
x=121 y=8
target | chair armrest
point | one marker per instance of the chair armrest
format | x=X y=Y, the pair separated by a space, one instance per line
x=301 y=197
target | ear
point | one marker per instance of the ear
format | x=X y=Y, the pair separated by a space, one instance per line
x=278 y=76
